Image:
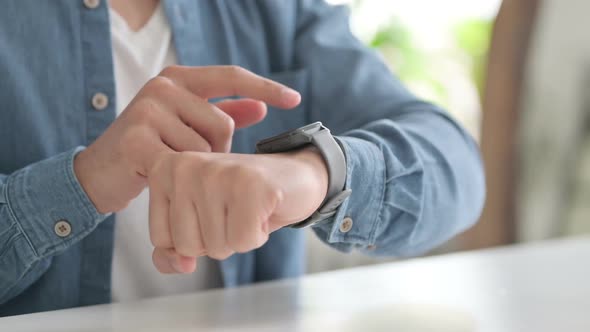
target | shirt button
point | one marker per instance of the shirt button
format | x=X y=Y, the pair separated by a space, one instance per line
x=62 y=228
x=91 y=4
x=100 y=101
x=346 y=225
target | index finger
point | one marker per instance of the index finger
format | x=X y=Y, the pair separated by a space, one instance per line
x=228 y=81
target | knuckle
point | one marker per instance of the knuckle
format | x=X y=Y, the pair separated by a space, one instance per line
x=243 y=244
x=170 y=71
x=160 y=241
x=238 y=175
x=228 y=170
x=237 y=240
x=204 y=147
x=267 y=83
x=189 y=249
x=261 y=240
x=228 y=125
x=213 y=172
x=222 y=254
x=276 y=194
x=254 y=176
x=226 y=128
x=158 y=85
x=145 y=111
x=235 y=71
x=182 y=169
x=242 y=248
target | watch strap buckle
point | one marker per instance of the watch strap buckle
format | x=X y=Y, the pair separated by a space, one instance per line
x=327 y=210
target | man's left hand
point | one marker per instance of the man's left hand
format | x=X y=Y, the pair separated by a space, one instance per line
x=216 y=204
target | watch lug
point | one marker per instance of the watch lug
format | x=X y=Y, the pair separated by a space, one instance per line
x=333 y=203
x=328 y=210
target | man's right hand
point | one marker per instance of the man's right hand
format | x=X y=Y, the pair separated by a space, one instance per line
x=171 y=113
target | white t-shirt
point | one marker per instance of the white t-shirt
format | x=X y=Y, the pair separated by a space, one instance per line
x=138 y=56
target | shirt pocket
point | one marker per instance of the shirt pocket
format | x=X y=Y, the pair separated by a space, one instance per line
x=280 y=120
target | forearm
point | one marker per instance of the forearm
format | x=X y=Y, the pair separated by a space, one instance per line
x=417 y=180
x=416 y=176
x=33 y=201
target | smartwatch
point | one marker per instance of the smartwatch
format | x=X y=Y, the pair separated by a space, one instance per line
x=317 y=135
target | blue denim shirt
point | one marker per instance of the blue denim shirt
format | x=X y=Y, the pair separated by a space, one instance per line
x=416 y=175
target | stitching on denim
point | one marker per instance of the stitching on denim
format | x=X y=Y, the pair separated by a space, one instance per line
x=72 y=182
x=411 y=238
x=13 y=214
x=378 y=219
x=12 y=225
x=3 y=199
x=8 y=242
x=18 y=280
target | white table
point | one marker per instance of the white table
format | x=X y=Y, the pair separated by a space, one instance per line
x=536 y=288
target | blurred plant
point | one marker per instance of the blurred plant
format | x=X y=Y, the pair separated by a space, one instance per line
x=411 y=63
x=473 y=37
x=446 y=66
x=416 y=65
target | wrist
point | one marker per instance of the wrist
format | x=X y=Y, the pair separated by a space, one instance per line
x=82 y=171
x=107 y=187
x=84 y=165
x=322 y=165
x=303 y=178
x=312 y=157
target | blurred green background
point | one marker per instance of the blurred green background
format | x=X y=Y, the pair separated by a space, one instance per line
x=415 y=64
x=438 y=48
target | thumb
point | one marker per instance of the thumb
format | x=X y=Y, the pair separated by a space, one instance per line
x=168 y=261
x=245 y=112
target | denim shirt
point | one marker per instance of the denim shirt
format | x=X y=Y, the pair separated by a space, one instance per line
x=415 y=174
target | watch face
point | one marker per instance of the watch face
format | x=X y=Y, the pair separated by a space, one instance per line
x=289 y=140
x=311 y=128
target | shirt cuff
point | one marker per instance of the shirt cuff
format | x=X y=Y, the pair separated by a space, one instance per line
x=50 y=206
x=355 y=223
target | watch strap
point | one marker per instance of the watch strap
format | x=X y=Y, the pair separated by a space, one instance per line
x=335 y=161
x=317 y=135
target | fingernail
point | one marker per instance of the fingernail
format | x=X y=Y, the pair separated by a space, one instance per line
x=175 y=263
x=291 y=95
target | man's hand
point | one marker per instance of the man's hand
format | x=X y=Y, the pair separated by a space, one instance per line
x=171 y=113
x=217 y=204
